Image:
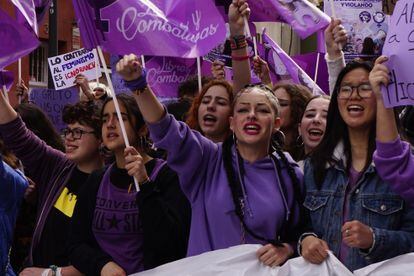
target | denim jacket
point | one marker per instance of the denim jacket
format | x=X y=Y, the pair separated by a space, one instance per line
x=371 y=202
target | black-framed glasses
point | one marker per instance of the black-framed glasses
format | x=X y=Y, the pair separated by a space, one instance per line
x=76 y=133
x=364 y=90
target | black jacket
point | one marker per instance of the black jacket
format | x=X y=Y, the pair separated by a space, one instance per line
x=165 y=214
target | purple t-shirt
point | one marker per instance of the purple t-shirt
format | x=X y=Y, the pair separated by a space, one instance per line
x=354 y=176
x=116 y=225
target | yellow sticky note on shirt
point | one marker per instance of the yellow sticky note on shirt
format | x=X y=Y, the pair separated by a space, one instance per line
x=66 y=202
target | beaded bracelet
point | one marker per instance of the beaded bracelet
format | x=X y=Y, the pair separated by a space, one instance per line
x=238 y=42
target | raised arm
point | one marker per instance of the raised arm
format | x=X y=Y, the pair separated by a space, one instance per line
x=393 y=158
x=335 y=40
x=238 y=11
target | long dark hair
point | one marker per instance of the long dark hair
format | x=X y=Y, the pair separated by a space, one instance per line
x=235 y=185
x=337 y=130
x=38 y=122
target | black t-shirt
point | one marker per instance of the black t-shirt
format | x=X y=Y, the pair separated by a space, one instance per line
x=52 y=249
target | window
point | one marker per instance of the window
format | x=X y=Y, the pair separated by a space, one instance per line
x=38 y=66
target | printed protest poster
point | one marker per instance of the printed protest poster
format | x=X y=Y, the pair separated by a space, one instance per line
x=66 y=67
x=399 y=47
x=164 y=75
x=366 y=24
x=52 y=102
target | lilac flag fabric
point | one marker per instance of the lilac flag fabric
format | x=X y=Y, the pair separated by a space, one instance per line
x=42 y=7
x=6 y=78
x=286 y=68
x=304 y=17
x=16 y=40
x=26 y=14
x=308 y=63
x=399 y=48
x=180 y=28
x=164 y=75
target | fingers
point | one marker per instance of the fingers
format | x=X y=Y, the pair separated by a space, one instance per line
x=381 y=60
x=314 y=250
x=272 y=256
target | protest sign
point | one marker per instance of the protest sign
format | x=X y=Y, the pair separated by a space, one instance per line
x=181 y=28
x=399 y=47
x=66 y=67
x=365 y=23
x=164 y=75
x=52 y=102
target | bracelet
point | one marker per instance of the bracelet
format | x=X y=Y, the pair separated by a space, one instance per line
x=138 y=84
x=238 y=42
x=144 y=182
x=140 y=91
x=53 y=269
x=239 y=58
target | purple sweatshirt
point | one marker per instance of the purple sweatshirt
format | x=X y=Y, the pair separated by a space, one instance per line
x=395 y=165
x=48 y=168
x=199 y=165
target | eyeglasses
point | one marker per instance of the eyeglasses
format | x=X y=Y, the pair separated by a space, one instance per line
x=76 y=133
x=364 y=90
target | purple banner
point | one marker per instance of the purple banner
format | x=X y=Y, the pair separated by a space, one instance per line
x=16 y=40
x=399 y=48
x=164 y=75
x=285 y=68
x=308 y=63
x=6 y=78
x=52 y=102
x=26 y=14
x=180 y=28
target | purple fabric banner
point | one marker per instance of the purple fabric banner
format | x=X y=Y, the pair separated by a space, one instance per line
x=26 y=14
x=399 y=47
x=6 y=78
x=180 y=28
x=52 y=102
x=304 y=17
x=285 y=68
x=308 y=63
x=164 y=75
x=16 y=40
x=42 y=8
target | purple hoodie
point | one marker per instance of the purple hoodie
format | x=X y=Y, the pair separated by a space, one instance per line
x=395 y=165
x=199 y=165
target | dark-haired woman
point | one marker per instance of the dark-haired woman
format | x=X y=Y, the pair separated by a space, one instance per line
x=209 y=114
x=240 y=191
x=115 y=229
x=354 y=212
x=58 y=177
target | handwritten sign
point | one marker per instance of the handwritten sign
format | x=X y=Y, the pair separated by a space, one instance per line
x=399 y=47
x=65 y=68
x=52 y=102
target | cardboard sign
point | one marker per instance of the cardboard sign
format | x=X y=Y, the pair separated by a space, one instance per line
x=399 y=47
x=66 y=67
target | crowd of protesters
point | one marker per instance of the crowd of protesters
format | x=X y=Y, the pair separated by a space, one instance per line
x=234 y=163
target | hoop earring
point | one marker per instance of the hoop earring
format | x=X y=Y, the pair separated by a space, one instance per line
x=299 y=141
x=234 y=139
x=281 y=135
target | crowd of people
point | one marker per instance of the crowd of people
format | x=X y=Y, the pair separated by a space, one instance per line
x=234 y=163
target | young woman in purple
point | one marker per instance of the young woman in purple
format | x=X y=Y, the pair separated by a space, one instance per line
x=115 y=230
x=393 y=157
x=242 y=190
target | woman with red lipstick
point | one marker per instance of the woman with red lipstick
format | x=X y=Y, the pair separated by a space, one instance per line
x=241 y=191
x=210 y=111
x=115 y=229
x=354 y=212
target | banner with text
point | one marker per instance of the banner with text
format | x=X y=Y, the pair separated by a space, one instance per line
x=66 y=67
x=366 y=24
x=52 y=102
x=399 y=47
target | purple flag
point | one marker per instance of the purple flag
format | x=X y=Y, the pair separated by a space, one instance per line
x=304 y=17
x=42 y=7
x=286 y=68
x=164 y=75
x=308 y=63
x=6 y=78
x=16 y=40
x=399 y=48
x=180 y=28
x=26 y=14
